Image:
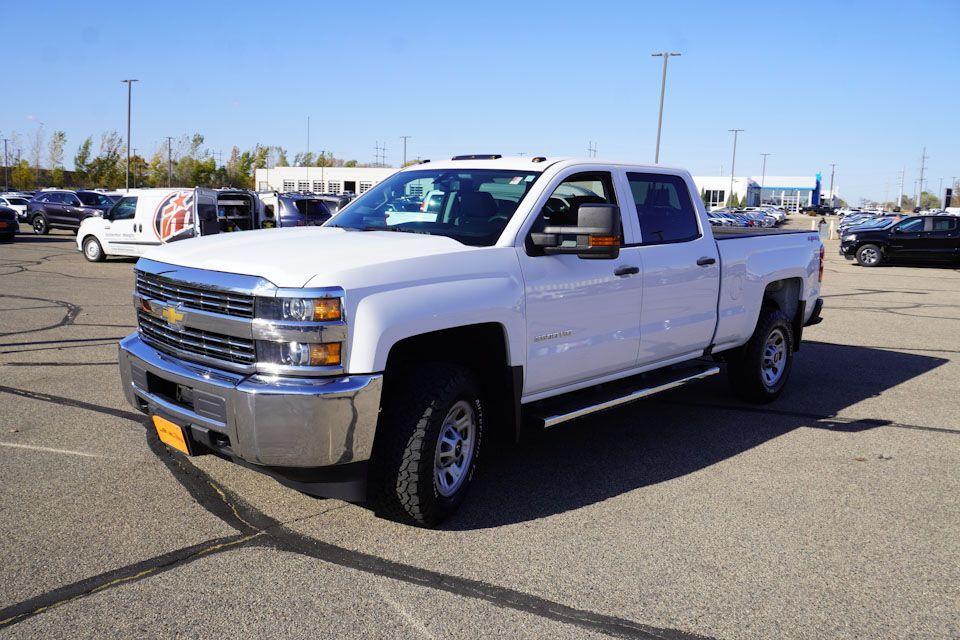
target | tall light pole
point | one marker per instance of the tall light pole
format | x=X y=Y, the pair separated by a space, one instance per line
x=308 y=139
x=129 y=84
x=940 y=193
x=666 y=55
x=833 y=169
x=404 y=138
x=763 y=175
x=733 y=163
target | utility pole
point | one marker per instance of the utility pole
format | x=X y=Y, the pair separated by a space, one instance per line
x=404 y=138
x=129 y=84
x=903 y=173
x=591 y=149
x=923 y=166
x=833 y=169
x=733 y=163
x=136 y=177
x=940 y=194
x=763 y=175
x=666 y=55
x=169 y=161
x=6 y=165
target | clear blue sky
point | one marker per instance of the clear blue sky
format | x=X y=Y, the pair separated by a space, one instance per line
x=810 y=82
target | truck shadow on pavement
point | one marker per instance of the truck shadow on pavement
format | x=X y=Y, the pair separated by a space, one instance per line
x=677 y=433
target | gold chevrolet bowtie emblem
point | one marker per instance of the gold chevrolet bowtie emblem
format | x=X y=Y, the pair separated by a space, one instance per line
x=172 y=316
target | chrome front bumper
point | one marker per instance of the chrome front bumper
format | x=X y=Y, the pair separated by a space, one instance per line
x=269 y=421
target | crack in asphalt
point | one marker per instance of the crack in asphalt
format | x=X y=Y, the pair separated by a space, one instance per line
x=72 y=311
x=256 y=527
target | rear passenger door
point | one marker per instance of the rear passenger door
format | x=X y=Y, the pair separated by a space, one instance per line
x=944 y=237
x=680 y=265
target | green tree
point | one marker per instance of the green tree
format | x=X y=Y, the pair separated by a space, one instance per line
x=929 y=200
x=107 y=170
x=282 y=157
x=55 y=152
x=156 y=171
x=350 y=163
x=21 y=176
x=303 y=159
x=81 y=162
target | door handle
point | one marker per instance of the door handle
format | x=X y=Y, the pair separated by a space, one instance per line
x=626 y=271
x=704 y=261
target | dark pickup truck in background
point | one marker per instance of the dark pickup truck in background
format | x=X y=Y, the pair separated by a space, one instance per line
x=917 y=238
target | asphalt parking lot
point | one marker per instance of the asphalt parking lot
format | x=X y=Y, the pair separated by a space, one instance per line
x=832 y=513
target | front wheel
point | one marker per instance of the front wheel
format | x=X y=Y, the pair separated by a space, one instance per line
x=428 y=442
x=40 y=226
x=758 y=371
x=869 y=255
x=92 y=250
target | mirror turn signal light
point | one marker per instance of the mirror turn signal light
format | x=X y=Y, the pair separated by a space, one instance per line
x=604 y=241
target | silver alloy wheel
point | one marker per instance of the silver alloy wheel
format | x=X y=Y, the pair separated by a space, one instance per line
x=39 y=225
x=91 y=249
x=455 y=447
x=869 y=255
x=774 y=358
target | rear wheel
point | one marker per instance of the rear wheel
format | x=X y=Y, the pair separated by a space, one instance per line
x=869 y=255
x=428 y=442
x=758 y=371
x=40 y=225
x=92 y=250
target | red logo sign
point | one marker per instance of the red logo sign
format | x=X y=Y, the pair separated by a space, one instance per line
x=174 y=217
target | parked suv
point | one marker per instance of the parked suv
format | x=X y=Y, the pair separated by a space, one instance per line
x=16 y=202
x=915 y=239
x=63 y=209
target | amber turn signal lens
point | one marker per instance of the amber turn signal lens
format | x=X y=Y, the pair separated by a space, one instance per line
x=325 y=309
x=604 y=241
x=325 y=355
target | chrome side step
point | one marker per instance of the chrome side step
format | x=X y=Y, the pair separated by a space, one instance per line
x=601 y=401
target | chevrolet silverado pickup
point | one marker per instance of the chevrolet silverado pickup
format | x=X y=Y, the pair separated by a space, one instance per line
x=371 y=358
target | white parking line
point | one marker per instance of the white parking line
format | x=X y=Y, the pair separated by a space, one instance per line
x=50 y=450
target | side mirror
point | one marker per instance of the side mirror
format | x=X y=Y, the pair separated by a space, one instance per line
x=597 y=234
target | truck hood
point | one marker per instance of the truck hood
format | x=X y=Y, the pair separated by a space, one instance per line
x=292 y=257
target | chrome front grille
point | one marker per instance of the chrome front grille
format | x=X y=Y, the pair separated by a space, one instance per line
x=195 y=297
x=195 y=341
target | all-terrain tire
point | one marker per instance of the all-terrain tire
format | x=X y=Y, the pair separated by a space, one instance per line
x=416 y=403
x=758 y=371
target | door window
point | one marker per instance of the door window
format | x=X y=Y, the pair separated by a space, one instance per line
x=945 y=224
x=70 y=199
x=911 y=225
x=563 y=205
x=663 y=208
x=125 y=209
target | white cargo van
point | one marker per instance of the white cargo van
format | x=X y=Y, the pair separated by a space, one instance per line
x=145 y=218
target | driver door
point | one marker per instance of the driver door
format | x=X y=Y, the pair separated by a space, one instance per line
x=118 y=229
x=583 y=316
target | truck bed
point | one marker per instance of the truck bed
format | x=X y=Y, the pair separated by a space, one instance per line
x=732 y=233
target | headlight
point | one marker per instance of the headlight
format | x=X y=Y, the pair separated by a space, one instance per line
x=300 y=309
x=850 y=237
x=299 y=354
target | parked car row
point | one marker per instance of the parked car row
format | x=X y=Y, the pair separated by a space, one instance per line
x=889 y=238
x=144 y=218
x=764 y=216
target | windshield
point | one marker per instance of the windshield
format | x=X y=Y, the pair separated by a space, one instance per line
x=471 y=206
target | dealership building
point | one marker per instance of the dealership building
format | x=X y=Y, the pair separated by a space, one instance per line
x=790 y=192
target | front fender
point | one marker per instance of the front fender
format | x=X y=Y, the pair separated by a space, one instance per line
x=383 y=318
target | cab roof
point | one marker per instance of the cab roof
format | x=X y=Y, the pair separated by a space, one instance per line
x=529 y=163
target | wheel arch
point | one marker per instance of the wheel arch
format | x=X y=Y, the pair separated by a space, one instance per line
x=484 y=349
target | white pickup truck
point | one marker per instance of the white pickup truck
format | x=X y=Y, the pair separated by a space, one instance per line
x=371 y=358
